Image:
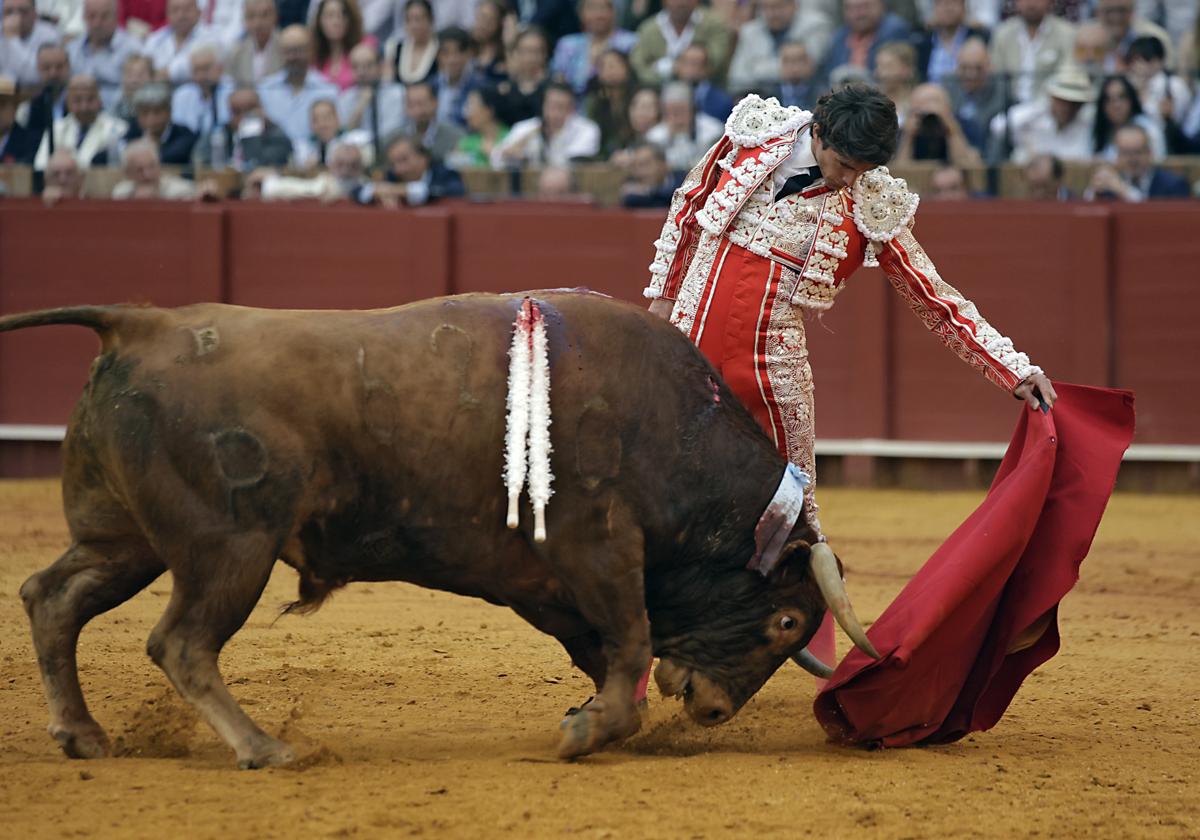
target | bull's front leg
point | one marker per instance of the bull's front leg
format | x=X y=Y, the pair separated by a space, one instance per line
x=609 y=593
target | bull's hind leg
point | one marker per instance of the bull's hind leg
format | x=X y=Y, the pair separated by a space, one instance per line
x=216 y=587
x=90 y=578
x=613 y=602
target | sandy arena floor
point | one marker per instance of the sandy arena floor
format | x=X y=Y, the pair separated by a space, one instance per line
x=424 y=713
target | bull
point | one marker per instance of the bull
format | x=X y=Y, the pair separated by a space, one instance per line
x=214 y=440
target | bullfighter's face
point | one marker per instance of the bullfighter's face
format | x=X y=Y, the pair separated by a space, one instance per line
x=718 y=647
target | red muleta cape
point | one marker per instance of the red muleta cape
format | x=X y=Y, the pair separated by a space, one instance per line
x=945 y=668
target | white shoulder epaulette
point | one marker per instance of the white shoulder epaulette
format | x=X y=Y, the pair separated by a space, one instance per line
x=755 y=120
x=883 y=205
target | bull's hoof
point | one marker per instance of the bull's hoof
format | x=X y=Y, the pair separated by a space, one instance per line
x=271 y=753
x=579 y=734
x=86 y=742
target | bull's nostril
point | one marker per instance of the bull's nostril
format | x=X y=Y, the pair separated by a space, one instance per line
x=715 y=715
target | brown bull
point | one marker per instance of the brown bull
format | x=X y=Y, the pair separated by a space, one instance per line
x=212 y=440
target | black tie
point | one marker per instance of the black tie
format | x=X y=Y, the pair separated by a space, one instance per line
x=798 y=183
x=375 y=139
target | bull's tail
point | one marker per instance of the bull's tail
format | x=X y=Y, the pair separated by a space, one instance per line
x=102 y=319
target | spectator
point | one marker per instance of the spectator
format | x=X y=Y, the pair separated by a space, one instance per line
x=49 y=103
x=1043 y=177
x=484 y=133
x=521 y=93
x=1117 y=18
x=1119 y=107
x=645 y=112
x=797 y=84
x=1030 y=47
x=895 y=72
x=976 y=96
x=142 y=16
x=1176 y=16
x=287 y=96
x=103 y=49
x=336 y=30
x=327 y=133
x=455 y=76
x=413 y=177
x=65 y=15
x=144 y=177
x=1160 y=94
x=691 y=66
x=257 y=55
x=170 y=47
x=85 y=128
x=683 y=134
x=1059 y=123
x=757 y=60
x=554 y=17
x=933 y=133
x=372 y=105
x=947 y=183
x=557 y=183
x=64 y=178
x=939 y=45
x=1091 y=49
x=17 y=143
x=226 y=20
x=651 y=183
x=136 y=73
x=202 y=105
x=348 y=169
x=1135 y=177
x=421 y=107
x=867 y=26
x=607 y=101
x=576 y=57
x=413 y=59
x=487 y=33
x=660 y=40
x=249 y=141
x=174 y=142
x=1182 y=128
x=23 y=35
x=558 y=137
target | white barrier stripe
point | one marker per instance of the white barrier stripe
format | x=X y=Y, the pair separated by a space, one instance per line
x=870 y=447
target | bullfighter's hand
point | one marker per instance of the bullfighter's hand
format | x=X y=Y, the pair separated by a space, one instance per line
x=662 y=307
x=1032 y=387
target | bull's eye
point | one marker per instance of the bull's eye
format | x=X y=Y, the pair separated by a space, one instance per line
x=787 y=623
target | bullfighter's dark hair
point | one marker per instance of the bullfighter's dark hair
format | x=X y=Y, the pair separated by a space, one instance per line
x=859 y=122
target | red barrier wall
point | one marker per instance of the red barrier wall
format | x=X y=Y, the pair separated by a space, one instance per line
x=1101 y=294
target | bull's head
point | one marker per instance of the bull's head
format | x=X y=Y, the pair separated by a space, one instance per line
x=717 y=647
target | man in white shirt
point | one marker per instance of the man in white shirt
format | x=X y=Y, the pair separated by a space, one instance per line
x=202 y=104
x=23 y=34
x=1030 y=46
x=87 y=130
x=102 y=50
x=557 y=137
x=1058 y=124
x=756 y=60
x=144 y=177
x=256 y=56
x=288 y=96
x=170 y=47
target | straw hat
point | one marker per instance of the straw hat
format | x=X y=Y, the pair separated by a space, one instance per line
x=1071 y=84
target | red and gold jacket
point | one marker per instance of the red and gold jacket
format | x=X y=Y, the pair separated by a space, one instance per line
x=819 y=237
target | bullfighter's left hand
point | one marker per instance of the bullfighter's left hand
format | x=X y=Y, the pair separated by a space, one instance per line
x=1033 y=387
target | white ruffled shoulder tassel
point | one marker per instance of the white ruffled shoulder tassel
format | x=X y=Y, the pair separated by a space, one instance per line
x=527 y=439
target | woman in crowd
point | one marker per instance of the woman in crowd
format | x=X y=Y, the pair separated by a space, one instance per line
x=415 y=58
x=488 y=34
x=485 y=131
x=608 y=99
x=337 y=29
x=520 y=93
x=645 y=112
x=1119 y=106
x=576 y=56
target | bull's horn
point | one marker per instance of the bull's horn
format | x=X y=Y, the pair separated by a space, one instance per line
x=813 y=665
x=825 y=571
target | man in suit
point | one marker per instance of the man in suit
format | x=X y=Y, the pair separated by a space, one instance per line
x=938 y=46
x=692 y=67
x=16 y=142
x=651 y=182
x=1030 y=47
x=420 y=108
x=250 y=139
x=664 y=36
x=152 y=105
x=202 y=105
x=1135 y=178
x=375 y=106
x=103 y=49
x=23 y=34
x=413 y=177
x=976 y=95
x=256 y=55
x=797 y=84
x=86 y=129
x=50 y=101
x=867 y=27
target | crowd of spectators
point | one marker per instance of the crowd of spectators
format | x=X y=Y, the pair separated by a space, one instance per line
x=390 y=101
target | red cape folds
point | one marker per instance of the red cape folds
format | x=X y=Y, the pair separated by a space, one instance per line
x=945 y=669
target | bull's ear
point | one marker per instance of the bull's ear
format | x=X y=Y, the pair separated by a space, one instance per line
x=793 y=563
